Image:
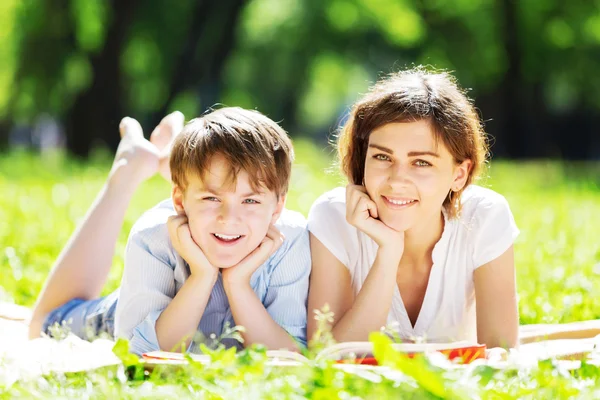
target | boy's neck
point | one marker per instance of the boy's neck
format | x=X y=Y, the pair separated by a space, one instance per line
x=420 y=241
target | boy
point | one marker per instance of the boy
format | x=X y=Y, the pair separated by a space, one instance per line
x=214 y=255
x=230 y=172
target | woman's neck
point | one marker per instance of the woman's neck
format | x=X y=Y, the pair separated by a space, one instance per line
x=420 y=240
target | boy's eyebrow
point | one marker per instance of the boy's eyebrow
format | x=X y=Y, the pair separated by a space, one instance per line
x=410 y=153
x=253 y=193
x=219 y=192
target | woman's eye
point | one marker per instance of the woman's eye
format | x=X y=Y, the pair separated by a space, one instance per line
x=250 y=201
x=422 y=163
x=381 y=157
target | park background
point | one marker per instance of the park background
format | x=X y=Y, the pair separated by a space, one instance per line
x=71 y=69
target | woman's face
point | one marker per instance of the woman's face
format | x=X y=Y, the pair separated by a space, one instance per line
x=408 y=175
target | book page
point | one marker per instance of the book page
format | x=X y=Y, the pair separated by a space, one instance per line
x=365 y=349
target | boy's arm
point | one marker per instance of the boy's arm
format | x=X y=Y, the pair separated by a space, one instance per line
x=148 y=291
x=179 y=321
x=249 y=312
x=147 y=288
x=279 y=322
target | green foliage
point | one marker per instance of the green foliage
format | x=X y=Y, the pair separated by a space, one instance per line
x=301 y=62
x=248 y=375
x=556 y=206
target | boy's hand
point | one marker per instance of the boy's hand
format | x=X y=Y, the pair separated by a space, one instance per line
x=184 y=244
x=242 y=271
x=361 y=212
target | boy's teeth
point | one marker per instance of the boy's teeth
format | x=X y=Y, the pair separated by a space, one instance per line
x=227 y=237
x=400 y=203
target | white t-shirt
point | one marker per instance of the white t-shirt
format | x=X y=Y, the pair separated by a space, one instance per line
x=484 y=230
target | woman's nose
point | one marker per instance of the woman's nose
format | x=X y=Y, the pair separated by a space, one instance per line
x=400 y=173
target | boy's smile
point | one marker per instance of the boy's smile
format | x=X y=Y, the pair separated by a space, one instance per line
x=228 y=220
x=227 y=240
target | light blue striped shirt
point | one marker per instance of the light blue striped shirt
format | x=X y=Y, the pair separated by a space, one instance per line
x=154 y=273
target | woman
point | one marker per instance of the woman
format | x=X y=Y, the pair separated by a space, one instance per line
x=411 y=241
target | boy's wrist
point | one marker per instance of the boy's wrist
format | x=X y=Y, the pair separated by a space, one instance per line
x=233 y=283
x=204 y=277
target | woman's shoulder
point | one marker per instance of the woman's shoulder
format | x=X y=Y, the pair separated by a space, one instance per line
x=489 y=222
x=334 y=196
x=331 y=203
x=478 y=202
x=327 y=222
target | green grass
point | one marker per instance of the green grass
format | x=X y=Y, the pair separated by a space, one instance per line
x=556 y=206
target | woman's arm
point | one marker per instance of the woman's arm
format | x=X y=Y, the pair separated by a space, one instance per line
x=496 y=297
x=354 y=318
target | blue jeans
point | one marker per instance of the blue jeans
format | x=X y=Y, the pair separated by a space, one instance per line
x=86 y=319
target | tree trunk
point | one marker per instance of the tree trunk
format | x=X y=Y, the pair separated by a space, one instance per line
x=510 y=124
x=96 y=112
x=201 y=63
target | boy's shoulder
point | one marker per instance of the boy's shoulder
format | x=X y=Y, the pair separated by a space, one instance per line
x=153 y=223
x=291 y=223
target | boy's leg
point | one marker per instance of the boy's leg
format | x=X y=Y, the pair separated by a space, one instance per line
x=162 y=137
x=87 y=319
x=84 y=264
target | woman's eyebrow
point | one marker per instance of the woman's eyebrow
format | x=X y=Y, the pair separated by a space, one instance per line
x=423 y=153
x=410 y=153
x=382 y=148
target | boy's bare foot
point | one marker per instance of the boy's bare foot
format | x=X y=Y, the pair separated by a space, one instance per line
x=136 y=159
x=162 y=137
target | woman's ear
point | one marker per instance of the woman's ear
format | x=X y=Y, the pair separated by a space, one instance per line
x=461 y=175
x=177 y=196
x=279 y=208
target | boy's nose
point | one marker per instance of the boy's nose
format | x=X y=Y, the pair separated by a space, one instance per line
x=227 y=214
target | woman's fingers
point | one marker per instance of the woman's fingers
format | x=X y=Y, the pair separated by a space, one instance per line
x=360 y=207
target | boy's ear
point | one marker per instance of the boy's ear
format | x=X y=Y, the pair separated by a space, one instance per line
x=461 y=174
x=279 y=208
x=177 y=197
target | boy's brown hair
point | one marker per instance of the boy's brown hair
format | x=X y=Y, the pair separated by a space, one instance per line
x=410 y=96
x=248 y=141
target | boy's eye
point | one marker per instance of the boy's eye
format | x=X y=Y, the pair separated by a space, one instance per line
x=250 y=201
x=210 y=198
x=422 y=163
x=381 y=157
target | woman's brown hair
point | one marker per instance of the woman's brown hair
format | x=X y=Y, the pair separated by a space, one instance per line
x=410 y=96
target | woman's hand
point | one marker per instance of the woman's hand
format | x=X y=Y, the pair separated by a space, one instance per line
x=361 y=212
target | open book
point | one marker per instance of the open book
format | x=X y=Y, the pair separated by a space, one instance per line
x=348 y=352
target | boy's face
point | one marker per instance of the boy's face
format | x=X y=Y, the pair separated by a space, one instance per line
x=227 y=220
